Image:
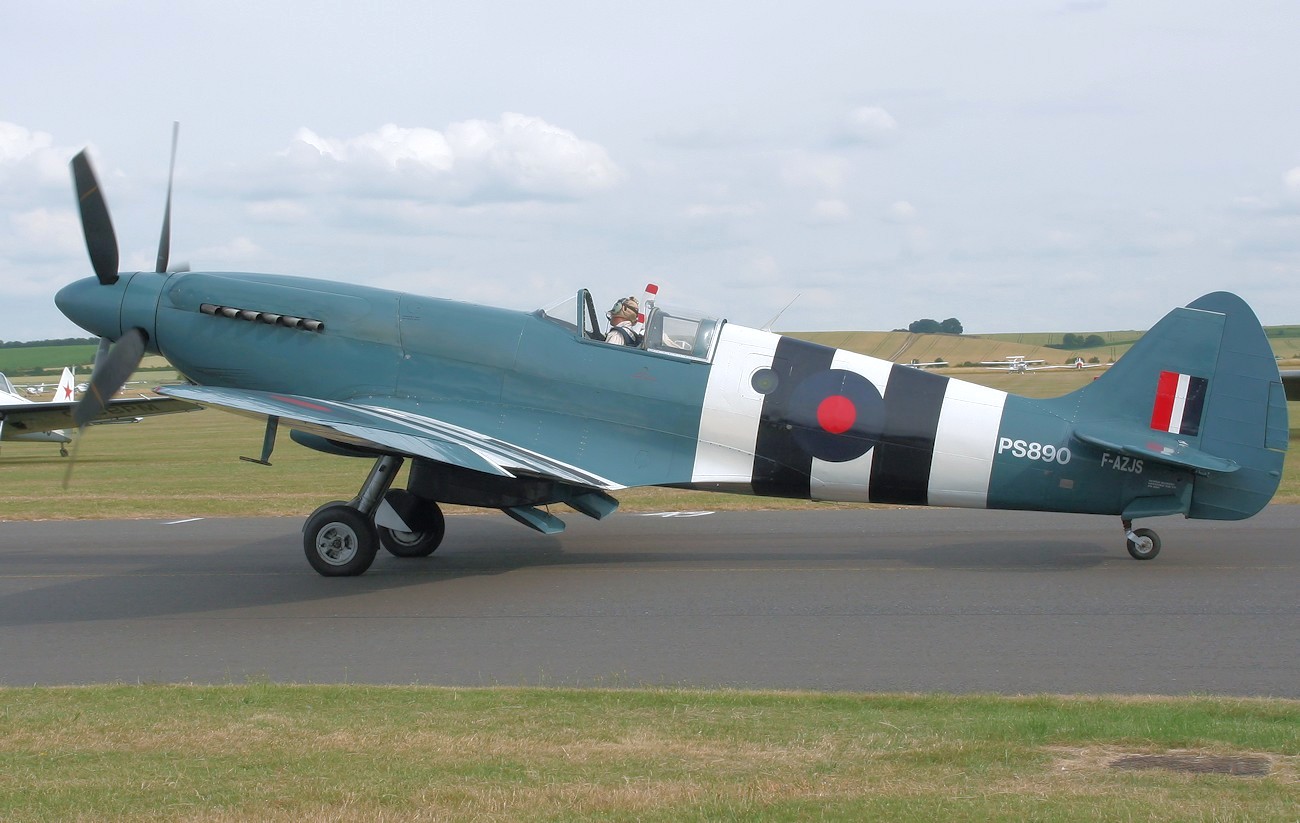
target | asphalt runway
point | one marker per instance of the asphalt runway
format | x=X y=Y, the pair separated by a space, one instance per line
x=899 y=600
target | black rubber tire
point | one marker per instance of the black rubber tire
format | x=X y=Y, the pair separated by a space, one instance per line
x=339 y=541
x=1144 y=552
x=416 y=544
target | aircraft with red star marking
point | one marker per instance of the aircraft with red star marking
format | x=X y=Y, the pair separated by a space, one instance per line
x=50 y=421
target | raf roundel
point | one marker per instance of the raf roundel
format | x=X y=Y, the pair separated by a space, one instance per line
x=837 y=415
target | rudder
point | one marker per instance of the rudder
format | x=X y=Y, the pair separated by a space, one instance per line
x=1245 y=416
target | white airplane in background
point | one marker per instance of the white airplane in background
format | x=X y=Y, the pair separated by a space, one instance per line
x=9 y=396
x=1079 y=364
x=1016 y=364
x=50 y=421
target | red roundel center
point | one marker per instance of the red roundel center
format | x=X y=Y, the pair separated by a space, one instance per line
x=836 y=414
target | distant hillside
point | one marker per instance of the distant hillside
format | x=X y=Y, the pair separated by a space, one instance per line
x=903 y=347
x=900 y=346
x=41 y=360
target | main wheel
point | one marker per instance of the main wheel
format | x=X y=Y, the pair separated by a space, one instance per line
x=418 y=543
x=339 y=541
x=1146 y=546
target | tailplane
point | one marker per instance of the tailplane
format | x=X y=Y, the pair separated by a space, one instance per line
x=1200 y=391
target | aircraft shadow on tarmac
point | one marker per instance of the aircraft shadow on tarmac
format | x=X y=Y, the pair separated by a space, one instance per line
x=264 y=574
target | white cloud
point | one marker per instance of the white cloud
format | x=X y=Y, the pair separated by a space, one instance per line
x=278 y=211
x=816 y=171
x=831 y=211
x=869 y=124
x=53 y=232
x=390 y=147
x=516 y=157
x=901 y=211
x=237 y=250
x=32 y=156
x=711 y=210
x=1292 y=179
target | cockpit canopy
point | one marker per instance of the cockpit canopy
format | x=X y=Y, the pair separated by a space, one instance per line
x=671 y=331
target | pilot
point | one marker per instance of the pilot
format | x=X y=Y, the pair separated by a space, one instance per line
x=621 y=318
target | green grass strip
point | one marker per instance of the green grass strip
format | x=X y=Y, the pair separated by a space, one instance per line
x=274 y=752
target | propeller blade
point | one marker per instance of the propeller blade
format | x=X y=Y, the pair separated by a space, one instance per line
x=110 y=374
x=101 y=352
x=165 y=242
x=96 y=225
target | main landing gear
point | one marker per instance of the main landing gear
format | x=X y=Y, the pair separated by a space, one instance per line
x=341 y=539
x=1143 y=544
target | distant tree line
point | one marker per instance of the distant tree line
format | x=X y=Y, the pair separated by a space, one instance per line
x=1078 y=341
x=62 y=341
x=927 y=326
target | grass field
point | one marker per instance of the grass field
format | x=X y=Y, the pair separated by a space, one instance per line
x=51 y=359
x=187 y=465
x=290 y=753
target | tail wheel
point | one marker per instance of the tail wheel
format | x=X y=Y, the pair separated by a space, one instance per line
x=339 y=541
x=1144 y=544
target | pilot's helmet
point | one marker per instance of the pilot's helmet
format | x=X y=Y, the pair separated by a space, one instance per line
x=625 y=308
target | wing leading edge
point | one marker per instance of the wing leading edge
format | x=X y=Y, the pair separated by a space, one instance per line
x=393 y=430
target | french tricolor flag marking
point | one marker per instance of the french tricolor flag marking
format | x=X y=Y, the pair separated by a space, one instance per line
x=1180 y=399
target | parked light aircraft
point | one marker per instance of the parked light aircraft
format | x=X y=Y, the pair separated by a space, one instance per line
x=48 y=421
x=1080 y=364
x=1016 y=364
x=519 y=410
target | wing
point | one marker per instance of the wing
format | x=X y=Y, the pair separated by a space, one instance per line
x=56 y=415
x=394 y=431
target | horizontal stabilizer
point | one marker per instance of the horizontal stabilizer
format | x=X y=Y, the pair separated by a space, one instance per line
x=1147 y=444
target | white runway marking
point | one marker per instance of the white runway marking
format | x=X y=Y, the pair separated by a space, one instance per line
x=673 y=514
x=178 y=522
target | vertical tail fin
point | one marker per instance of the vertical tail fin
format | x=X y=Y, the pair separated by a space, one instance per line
x=1203 y=387
x=67 y=389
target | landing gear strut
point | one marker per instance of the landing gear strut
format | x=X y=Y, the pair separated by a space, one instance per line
x=340 y=539
x=1143 y=544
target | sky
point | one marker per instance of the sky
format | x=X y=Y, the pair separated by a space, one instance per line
x=1027 y=165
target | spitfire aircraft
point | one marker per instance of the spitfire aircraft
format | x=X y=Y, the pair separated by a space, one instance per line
x=47 y=422
x=518 y=410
